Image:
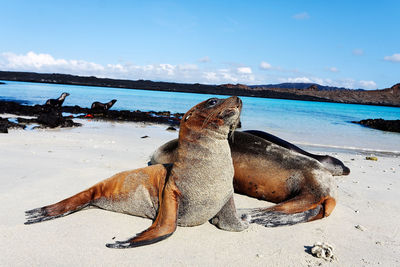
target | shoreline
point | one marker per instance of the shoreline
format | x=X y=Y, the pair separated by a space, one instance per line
x=44 y=166
x=24 y=116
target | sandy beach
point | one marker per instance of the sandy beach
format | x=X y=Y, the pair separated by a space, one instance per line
x=40 y=167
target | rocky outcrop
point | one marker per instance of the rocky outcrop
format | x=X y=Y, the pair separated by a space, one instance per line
x=384 y=97
x=381 y=124
x=49 y=117
x=237 y=86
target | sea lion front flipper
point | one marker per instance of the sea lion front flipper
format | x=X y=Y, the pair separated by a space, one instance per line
x=227 y=218
x=164 y=224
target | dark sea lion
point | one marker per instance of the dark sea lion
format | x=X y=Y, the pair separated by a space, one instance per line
x=57 y=103
x=97 y=106
x=303 y=187
x=198 y=187
x=333 y=165
x=166 y=153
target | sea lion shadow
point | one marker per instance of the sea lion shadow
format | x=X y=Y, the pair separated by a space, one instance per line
x=307 y=249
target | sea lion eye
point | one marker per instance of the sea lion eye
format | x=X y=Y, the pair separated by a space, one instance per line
x=211 y=102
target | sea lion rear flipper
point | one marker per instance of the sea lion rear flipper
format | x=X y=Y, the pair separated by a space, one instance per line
x=62 y=208
x=296 y=210
x=164 y=224
x=227 y=218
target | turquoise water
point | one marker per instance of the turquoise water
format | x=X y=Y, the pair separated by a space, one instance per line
x=302 y=122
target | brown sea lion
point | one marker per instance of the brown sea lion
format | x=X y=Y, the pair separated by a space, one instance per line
x=198 y=187
x=57 y=103
x=303 y=188
x=97 y=106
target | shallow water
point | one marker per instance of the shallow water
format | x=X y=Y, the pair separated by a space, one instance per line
x=303 y=122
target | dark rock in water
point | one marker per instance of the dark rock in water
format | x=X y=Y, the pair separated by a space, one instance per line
x=381 y=124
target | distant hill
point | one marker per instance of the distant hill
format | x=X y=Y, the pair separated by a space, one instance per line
x=294 y=91
x=299 y=86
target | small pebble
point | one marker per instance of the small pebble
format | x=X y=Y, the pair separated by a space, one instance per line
x=371 y=158
x=145 y=136
x=360 y=227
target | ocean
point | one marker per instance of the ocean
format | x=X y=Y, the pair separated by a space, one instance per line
x=305 y=123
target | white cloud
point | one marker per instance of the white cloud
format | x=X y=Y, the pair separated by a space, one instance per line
x=333 y=69
x=346 y=83
x=297 y=80
x=192 y=73
x=45 y=61
x=244 y=70
x=188 y=67
x=265 y=65
x=301 y=16
x=393 y=58
x=204 y=59
x=367 y=84
x=358 y=52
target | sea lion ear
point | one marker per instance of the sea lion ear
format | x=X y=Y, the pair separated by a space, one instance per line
x=188 y=116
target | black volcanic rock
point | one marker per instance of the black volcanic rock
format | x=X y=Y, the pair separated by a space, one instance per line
x=48 y=116
x=381 y=124
x=5 y=124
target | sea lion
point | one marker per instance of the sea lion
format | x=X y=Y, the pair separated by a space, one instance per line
x=97 y=106
x=57 y=103
x=198 y=187
x=303 y=187
x=167 y=152
x=332 y=164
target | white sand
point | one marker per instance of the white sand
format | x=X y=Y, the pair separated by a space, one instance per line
x=41 y=167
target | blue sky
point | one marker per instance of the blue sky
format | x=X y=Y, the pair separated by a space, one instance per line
x=355 y=44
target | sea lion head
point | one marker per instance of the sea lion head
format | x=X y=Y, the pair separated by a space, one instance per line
x=334 y=166
x=213 y=115
x=65 y=94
